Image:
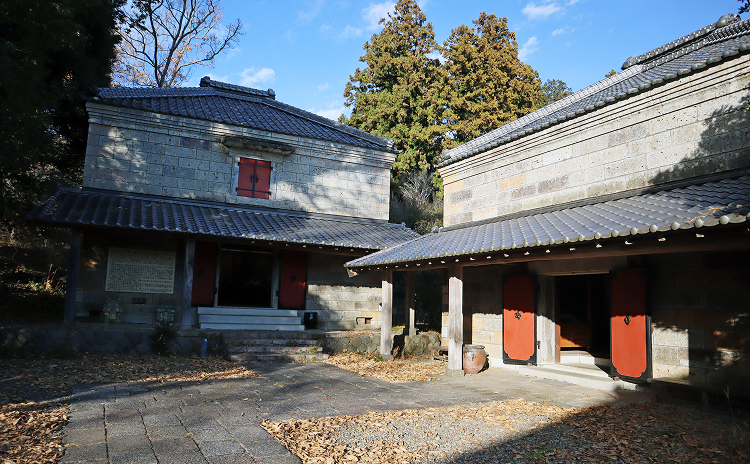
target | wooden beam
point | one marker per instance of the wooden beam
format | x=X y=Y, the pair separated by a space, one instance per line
x=71 y=284
x=455 y=320
x=410 y=328
x=386 y=322
x=187 y=289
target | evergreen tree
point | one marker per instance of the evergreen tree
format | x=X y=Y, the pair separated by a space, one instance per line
x=486 y=84
x=51 y=53
x=393 y=95
x=551 y=91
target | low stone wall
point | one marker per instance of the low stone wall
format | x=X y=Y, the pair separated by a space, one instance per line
x=369 y=342
x=98 y=338
x=103 y=338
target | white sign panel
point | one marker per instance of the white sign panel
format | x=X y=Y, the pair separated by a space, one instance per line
x=140 y=271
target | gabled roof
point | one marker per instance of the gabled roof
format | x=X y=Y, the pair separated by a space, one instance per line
x=722 y=40
x=73 y=207
x=240 y=106
x=699 y=205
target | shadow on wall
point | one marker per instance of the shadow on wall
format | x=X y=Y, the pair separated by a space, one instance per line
x=701 y=301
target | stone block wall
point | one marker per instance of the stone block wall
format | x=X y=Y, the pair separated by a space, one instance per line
x=341 y=301
x=92 y=274
x=137 y=151
x=700 y=305
x=692 y=126
x=482 y=307
x=349 y=342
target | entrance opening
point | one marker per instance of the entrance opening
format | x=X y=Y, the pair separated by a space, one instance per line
x=583 y=314
x=245 y=278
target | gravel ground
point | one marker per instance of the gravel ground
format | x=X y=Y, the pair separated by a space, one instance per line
x=516 y=431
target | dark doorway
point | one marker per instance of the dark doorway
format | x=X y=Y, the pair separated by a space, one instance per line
x=245 y=278
x=583 y=313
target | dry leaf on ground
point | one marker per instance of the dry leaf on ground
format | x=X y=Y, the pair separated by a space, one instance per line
x=411 y=369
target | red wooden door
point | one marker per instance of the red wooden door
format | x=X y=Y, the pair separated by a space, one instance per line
x=629 y=326
x=292 y=285
x=519 y=320
x=204 y=274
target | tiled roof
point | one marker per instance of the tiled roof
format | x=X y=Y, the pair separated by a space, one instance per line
x=240 y=106
x=722 y=40
x=702 y=205
x=69 y=207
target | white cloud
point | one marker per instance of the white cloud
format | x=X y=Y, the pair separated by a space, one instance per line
x=528 y=48
x=572 y=2
x=323 y=87
x=214 y=77
x=250 y=77
x=349 y=32
x=534 y=11
x=330 y=114
x=562 y=30
x=310 y=14
x=436 y=56
x=375 y=12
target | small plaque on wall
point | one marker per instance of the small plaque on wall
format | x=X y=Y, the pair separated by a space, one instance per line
x=140 y=271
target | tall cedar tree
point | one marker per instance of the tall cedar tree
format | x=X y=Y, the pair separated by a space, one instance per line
x=486 y=85
x=393 y=95
x=551 y=91
x=51 y=53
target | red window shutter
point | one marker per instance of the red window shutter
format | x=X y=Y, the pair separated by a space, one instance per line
x=254 y=178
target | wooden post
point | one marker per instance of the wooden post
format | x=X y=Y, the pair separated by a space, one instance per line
x=386 y=314
x=455 y=320
x=410 y=328
x=71 y=284
x=187 y=289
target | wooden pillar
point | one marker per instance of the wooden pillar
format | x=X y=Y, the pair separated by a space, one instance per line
x=71 y=284
x=386 y=314
x=410 y=328
x=455 y=320
x=187 y=289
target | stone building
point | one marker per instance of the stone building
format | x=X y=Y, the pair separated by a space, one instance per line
x=609 y=226
x=225 y=207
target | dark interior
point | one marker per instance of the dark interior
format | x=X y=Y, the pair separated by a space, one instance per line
x=245 y=278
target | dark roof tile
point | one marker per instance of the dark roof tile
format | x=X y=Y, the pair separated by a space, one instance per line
x=70 y=207
x=241 y=106
x=699 y=205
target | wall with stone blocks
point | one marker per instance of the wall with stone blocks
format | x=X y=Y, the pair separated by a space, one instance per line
x=137 y=151
x=348 y=342
x=482 y=307
x=700 y=305
x=92 y=274
x=692 y=126
x=339 y=299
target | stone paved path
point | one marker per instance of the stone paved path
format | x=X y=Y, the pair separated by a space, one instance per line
x=218 y=421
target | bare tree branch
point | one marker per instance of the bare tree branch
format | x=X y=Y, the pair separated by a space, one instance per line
x=164 y=40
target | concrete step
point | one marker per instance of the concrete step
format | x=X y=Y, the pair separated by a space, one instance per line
x=250 y=326
x=231 y=311
x=238 y=341
x=582 y=357
x=275 y=349
x=266 y=320
x=577 y=375
x=262 y=336
x=278 y=357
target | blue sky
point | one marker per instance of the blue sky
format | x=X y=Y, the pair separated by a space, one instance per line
x=306 y=49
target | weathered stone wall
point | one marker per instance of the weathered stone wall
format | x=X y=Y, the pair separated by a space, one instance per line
x=693 y=126
x=342 y=302
x=483 y=307
x=700 y=305
x=137 y=151
x=94 y=338
x=92 y=275
x=416 y=345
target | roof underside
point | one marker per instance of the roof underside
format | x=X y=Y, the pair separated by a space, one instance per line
x=689 y=54
x=702 y=205
x=239 y=106
x=73 y=207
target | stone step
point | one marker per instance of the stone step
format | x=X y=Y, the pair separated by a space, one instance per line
x=250 y=326
x=277 y=357
x=238 y=341
x=231 y=311
x=275 y=349
x=265 y=320
x=261 y=335
x=577 y=375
